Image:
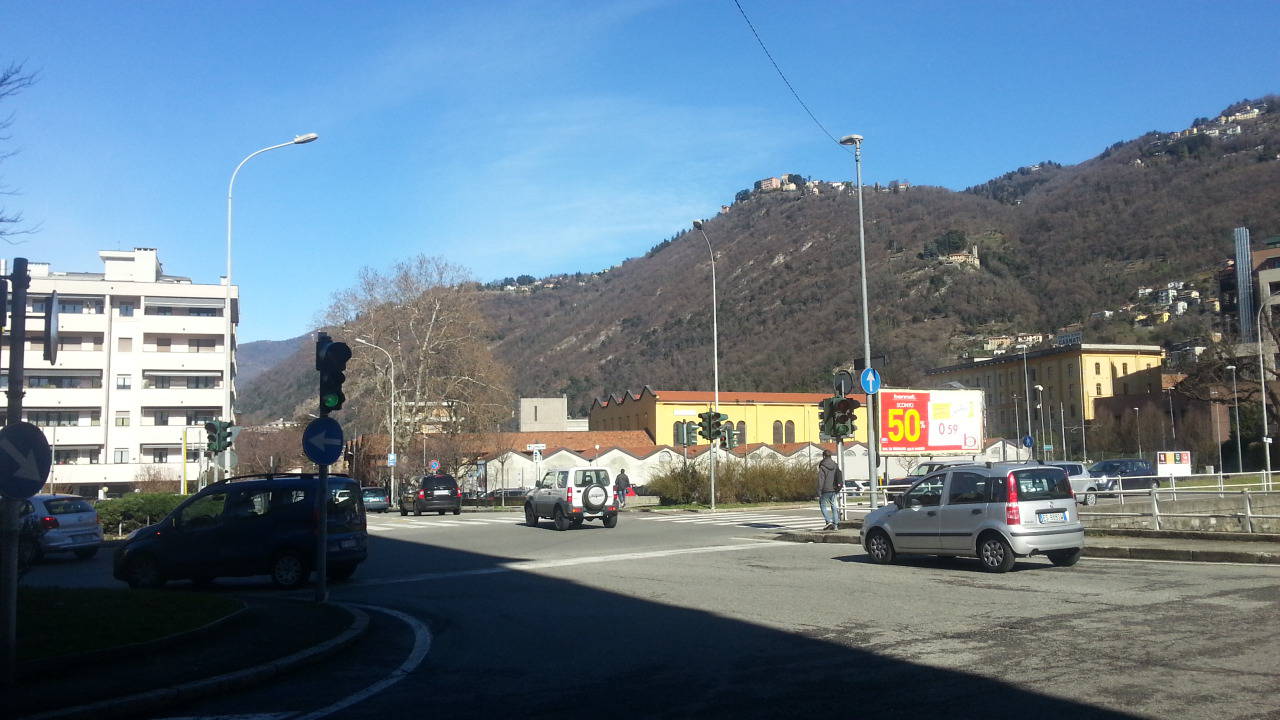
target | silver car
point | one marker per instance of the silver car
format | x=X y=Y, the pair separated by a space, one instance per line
x=996 y=512
x=1084 y=485
x=69 y=522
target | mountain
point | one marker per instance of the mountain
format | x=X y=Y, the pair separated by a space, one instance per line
x=259 y=356
x=1054 y=243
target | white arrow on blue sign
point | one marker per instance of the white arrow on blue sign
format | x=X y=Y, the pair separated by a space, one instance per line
x=322 y=441
x=870 y=381
x=25 y=459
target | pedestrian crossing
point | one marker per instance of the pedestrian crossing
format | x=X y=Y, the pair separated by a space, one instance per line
x=440 y=521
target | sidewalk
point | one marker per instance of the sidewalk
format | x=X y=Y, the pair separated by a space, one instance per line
x=1151 y=546
x=271 y=637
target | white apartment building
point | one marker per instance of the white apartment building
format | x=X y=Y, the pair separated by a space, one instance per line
x=140 y=361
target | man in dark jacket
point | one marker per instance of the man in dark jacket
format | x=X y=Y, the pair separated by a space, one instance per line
x=829 y=483
x=620 y=486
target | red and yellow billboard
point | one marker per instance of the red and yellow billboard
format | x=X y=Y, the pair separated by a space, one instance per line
x=930 y=422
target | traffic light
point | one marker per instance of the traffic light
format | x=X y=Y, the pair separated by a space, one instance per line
x=731 y=438
x=720 y=425
x=331 y=361
x=687 y=433
x=827 y=416
x=844 y=420
x=213 y=429
x=707 y=424
x=228 y=435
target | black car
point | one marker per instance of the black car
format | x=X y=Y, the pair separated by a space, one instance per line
x=252 y=525
x=1132 y=474
x=431 y=492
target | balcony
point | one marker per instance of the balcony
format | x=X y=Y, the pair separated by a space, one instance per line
x=74 y=434
x=180 y=325
x=157 y=435
x=183 y=397
x=74 y=323
x=212 y=361
x=63 y=398
x=73 y=359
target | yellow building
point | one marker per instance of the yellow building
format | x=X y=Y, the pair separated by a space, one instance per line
x=759 y=417
x=1072 y=377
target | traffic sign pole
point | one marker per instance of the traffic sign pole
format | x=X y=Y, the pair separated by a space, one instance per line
x=20 y=280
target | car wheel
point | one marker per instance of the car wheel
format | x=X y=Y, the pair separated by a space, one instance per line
x=457 y=511
x=576 y=522
x=880 y=547
x=143 y=572
x=342 y=572
x=530 y=517
x=86 y=553
x=610 y=521
x=403 y=511
x=995 y=553
x=288 y=570
x=417 y=511
x=562 y=521
x=439 y=512
x=1064 y=558
x=1090 y=497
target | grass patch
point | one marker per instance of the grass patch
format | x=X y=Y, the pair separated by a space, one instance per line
x=1232 y=484
x=729 y=506
x=63 y=621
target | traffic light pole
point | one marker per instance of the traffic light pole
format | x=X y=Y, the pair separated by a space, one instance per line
x=322 y=534
x=9 y=508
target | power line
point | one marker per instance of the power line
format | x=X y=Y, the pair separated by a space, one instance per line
x=783 y=75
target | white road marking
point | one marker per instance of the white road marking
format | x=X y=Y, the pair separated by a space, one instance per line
x=525 y=565
x=421 y=646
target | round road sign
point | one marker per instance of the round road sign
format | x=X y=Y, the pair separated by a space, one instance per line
x=25 y=459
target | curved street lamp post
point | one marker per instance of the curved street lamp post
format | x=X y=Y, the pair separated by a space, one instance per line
x=715 y=357
x=392 y=419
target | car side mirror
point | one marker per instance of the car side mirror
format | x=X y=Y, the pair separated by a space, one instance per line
x=898 y=502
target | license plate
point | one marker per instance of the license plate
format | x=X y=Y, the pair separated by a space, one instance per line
x=440 y=492
x=84 y=538
x=348 y=544
x=1053 y=517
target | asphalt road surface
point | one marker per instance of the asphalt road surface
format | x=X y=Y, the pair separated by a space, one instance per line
x=698 y=616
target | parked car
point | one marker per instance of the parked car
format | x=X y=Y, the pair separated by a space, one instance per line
x=431 y=492
x=571 y=497
x=508 y=494
x=1128 y=473
x=927 y=467
x=29 y=532
x=376 y=499
x=257 y=525
x=69 y=524
x=1084 y=485
x=996 y=512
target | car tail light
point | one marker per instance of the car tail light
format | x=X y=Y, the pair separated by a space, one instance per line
x=457 y=492
x=1012 y=513
x=569 y=495
x=422 y=494
x=49 y=522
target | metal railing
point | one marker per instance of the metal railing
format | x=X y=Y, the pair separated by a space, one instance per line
x=1246 y=515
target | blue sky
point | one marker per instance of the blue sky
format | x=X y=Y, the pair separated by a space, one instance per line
x=545 y=137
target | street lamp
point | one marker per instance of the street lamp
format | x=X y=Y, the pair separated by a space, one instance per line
x=1137 y=430
x=873 y=439
x=1026 y=389
x=1173 y=426
x=1235 y=400
x=715 y=356
x=391 y=362
x=1262 y=390
x=1217 y=434
x=226 y=340
x=1017 y=419
x=1040 y=414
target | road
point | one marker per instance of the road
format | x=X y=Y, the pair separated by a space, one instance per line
x=691 y=615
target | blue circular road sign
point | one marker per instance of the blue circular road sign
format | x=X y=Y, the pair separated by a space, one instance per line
x=322 y=441
x=870 y=381
x=435 y=465
x=1027 y=441
x=25 y=459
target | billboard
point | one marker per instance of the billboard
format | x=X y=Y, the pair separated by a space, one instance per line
x=931 y=422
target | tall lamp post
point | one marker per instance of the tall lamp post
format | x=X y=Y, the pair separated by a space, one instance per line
x=1262 y=391
x=1040 y=414
x=1026 y=390
x=1173 y=426
x=1217 y=434
x=1235 y=400
x=715 y=356
x=392 y=363
x=873 y=434
x=226 y=339
x=1017 y=419
x=1137 y=430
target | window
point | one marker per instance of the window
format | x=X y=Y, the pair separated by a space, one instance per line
x=250 y=505
x=122 y=418
x=155 y=310
x=54 y=418
x=193 y=455
x=124 y=344
x=215 y=312
x=69 y=342
x=71 y=307
x=126 y=309
x=777 y=432
x=967 y=488
x=202 y=383
x=201 y=345
x=926 y=493
x=583 y=478
x=791 y=432
x=1097 y=368
x=159 y=382
x=124 y=382
x=203 y=512
x=200 y=417
x=1124 y=368
x=1097 y=389
x=1124 y=388
x=121 y=455
x=160 y=455
x=164 y=344
x=160 y=417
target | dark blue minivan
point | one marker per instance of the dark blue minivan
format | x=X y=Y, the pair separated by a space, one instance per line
x=251 y=525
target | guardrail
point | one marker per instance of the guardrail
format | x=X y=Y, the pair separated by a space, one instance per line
x=1246 y=516
x=1263 y=483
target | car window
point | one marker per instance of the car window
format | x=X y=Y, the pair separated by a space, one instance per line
x=374 y=494
x=250 y=504
x=66 y=506
x=548 y=480
x=345 y=514
x=583 y=478
x=562 y=478
x=443 y=482
x=203 y=511
x=1042 y=484
x=926 y=493
x=967 y=488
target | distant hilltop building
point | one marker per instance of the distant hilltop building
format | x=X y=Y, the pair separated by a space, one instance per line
x=964 y=258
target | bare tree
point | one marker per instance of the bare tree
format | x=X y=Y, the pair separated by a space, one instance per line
x=424 y=313
x=156 y=479
x=264 y=450
x=13 y=80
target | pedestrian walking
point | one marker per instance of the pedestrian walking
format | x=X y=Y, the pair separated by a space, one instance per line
x=621 y=484
x=829 y=483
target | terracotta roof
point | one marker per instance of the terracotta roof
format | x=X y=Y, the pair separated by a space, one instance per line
x=726 y=396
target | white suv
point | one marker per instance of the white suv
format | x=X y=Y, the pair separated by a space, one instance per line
x=570 y=497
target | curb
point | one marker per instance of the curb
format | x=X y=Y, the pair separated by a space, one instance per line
x=1184 y=534
x=153 y=700
x=64 y=662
